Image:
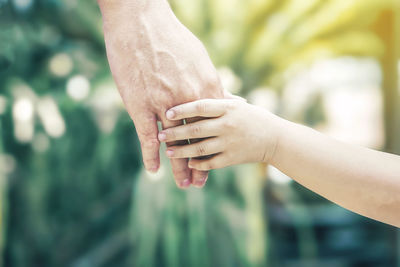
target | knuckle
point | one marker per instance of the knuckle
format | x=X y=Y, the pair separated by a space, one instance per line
x=229 y=105
x=145 y=132
x=195 y=130
x=226 y=143
x=171 y=134
x=229 y=156
x=201 y=150
x=201 y=107
x=149 y=162
x=228 y=124
x=213 y=81
x=150 y=144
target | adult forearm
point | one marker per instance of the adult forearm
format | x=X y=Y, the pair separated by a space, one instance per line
x=130 y=10
x=136 y=33
x=135 y=6
x=359 y=179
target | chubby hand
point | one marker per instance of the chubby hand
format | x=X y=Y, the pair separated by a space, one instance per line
x=235 y=131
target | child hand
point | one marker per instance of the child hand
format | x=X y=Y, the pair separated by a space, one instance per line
x=236 y=133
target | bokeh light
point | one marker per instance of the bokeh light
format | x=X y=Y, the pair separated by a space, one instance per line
x=23 y=109
x=51 y=117
x=230 y=81
x=61 y=65
x=78 y=87
x=106 y=104
x=154 y=177
x=278 y=177
x=265 y=98
x=22 y=5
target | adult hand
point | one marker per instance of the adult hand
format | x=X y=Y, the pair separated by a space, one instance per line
x=156 y=63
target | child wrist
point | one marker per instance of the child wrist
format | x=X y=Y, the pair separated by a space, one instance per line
x=281 y=129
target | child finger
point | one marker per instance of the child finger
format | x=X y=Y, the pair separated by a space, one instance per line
x=200 y=129
x=206 y=147
x=202 y=108
x=218 y=161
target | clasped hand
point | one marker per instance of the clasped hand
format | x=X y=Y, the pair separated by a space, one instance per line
x=233 y=132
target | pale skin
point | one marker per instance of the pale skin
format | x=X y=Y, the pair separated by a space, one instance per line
x=362 y=180
x=157 y=63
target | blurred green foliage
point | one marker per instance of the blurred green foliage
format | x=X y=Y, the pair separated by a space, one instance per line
x=84 y=200
x=262 y=38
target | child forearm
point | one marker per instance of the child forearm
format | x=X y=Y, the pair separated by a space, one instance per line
x=359 y=179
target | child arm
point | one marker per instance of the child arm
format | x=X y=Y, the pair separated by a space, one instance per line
x=362 y=180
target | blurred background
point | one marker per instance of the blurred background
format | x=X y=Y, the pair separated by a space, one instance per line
x=73 y=191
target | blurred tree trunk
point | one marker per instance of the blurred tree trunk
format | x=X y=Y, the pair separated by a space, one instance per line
x=387 y=27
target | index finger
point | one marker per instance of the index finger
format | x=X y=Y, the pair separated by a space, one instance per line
x=202 y=108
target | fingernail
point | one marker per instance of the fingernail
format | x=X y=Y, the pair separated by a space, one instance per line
x=154 y=169
x=170 y=114
x=170 y=153
x=162 y=137
x=200 y=182
x=185 y=183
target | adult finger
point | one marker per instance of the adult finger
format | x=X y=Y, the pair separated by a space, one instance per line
x=200 y=129
x=199 y=178
x=147 y=130
x=202 y=108
x=180 y=168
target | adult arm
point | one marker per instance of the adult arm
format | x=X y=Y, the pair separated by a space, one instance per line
x=156 y=63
